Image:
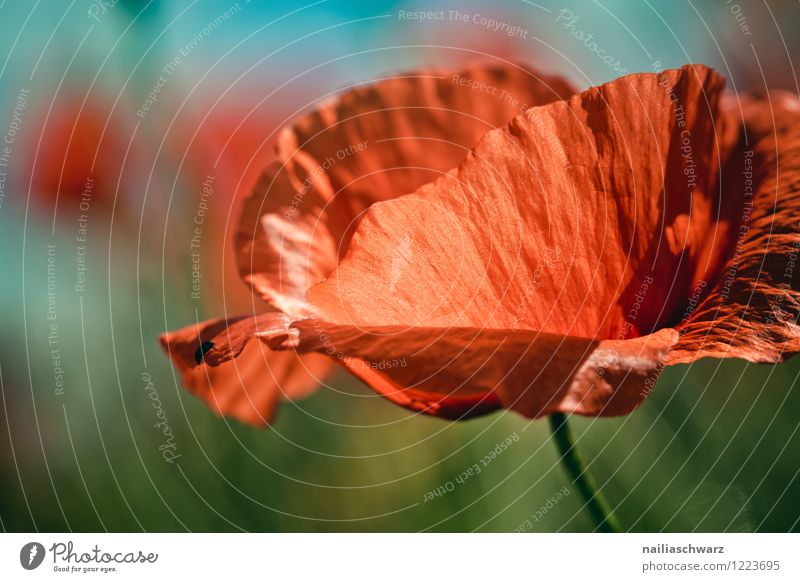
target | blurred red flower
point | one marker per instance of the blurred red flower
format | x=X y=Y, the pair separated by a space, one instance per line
x=80 y=147
x=584 y=242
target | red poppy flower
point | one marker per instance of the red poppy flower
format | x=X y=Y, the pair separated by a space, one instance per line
x=83 y=150
x=584 y=242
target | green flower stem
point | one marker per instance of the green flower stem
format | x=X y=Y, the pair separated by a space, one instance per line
x=583 y=480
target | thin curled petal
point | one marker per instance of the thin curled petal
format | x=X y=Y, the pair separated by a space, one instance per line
x=463 y=372
x=753 y=309
x=249 y=384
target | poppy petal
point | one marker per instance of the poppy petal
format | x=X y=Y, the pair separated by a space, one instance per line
x=249 y=386
x=753 y=309
x=549 y=271
x=555 y=223
x=464 y=372
x=372 y=143
x=577 y=220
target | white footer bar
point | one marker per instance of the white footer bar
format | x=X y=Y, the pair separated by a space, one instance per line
x=406 y=557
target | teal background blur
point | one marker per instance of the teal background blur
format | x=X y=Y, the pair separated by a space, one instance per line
x=714 y=448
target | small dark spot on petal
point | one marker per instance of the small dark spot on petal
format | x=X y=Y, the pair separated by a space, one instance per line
x=202 y=351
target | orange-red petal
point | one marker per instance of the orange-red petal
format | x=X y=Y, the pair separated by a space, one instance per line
x=508 y=280
x=752 y=309
x=558 y=267
x=461 y=372
x=566 y=221
x=249 y=386
x=372 y=143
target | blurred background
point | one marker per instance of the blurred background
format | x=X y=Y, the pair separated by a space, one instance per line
x=115 y=112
